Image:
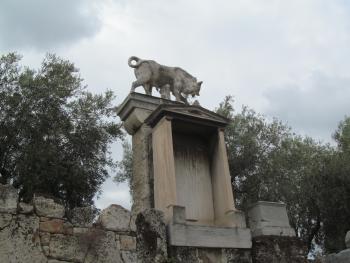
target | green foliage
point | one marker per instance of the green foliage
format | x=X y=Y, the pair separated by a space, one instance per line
x=54 y=135
x=124 y=171
x=268 y=162
x=335 y=193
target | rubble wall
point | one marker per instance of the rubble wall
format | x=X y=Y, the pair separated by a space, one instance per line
x=43 y=232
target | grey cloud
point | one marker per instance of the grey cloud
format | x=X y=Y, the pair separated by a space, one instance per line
x=315 y=109
x=42 y=24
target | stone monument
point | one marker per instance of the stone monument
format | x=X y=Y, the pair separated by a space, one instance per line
x=180 y=161
x=180 y=168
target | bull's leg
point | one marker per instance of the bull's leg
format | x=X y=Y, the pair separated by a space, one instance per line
x=148 y=89
x=135 y=84
x=183 y=99
x=165 y=92
x=177 y=95
x=177 y=91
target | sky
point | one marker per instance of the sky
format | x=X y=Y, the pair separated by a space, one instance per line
x=287 y=59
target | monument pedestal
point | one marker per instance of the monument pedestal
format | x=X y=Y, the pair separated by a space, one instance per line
x=181 y=168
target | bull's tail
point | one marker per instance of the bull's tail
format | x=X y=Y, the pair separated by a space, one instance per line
x=137 y=63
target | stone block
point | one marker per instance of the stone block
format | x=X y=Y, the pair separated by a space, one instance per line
x=136 y=108
x=132 y=222
x=8 y=199
x=68 y=248
x=24 y=208
x=19 y=241
x=279 y=249
x=57 y=261
x=103 y=249
x=82 y=216
x=47 y=207
x=178 y=214
x=269 y=218
x=5 y=220
x=46 y=250
x=54 y=226
x=209 y=236
x=347 y=239
x=116 y=218
x=44 y=238
x=151 y=236
x=209 y=255
x=128 y=256
x=80 y=230
x=127 y=242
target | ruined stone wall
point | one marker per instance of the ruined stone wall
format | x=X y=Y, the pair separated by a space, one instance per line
x=43 y=232
x=278 y=249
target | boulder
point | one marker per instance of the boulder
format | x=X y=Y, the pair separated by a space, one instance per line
x=47 y=207
x=116 y=218
x=24 y=208
x=8 y=199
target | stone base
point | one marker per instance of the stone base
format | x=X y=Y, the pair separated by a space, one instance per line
x=274 y=231
x=269 y=219
x=208 y=236
x=268 y=249
x=209 y=255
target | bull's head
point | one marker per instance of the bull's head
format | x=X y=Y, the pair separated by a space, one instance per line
x=196 y=87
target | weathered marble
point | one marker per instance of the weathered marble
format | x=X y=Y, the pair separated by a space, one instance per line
x=47 y=207
x=115 y=217
x=151 y=74
x=269 y=219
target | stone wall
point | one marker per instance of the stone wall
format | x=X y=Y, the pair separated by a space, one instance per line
x=278 y=249
x=43 y=232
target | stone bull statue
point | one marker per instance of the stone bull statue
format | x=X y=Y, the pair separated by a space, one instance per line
x=150 y=74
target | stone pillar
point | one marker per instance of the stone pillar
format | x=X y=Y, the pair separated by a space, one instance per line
x=224 y=205
x=133 y=112
x=273 y=238
x=164 y=168
x=141 y=183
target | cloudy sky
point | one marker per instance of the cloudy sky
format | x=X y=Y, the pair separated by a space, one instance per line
x=288 y=59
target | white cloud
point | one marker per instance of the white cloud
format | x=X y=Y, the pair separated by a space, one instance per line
x=41 y=24
x=288 y=59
